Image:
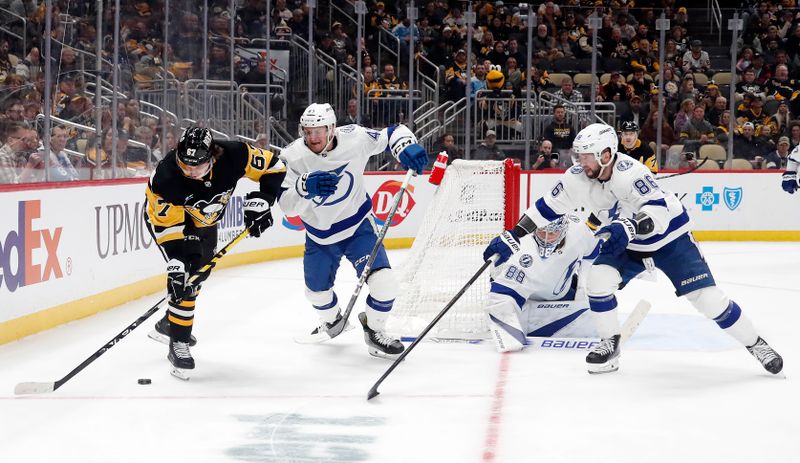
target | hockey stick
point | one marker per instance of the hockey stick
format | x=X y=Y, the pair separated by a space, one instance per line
x=374 y=390
x=337 y=329
x=684 y=172
x=41 y=387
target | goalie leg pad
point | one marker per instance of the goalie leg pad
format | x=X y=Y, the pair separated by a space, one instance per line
x=325 y=302
x=716 y=305
x=504 y=323
x=382 y=291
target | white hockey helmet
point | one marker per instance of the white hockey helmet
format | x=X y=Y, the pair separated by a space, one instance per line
x=549 y=237
x=595 y=139
x=319 y=115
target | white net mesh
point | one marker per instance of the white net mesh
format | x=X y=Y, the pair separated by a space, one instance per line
x=468 y=210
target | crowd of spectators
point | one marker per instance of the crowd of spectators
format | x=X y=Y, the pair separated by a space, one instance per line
x=696 y=106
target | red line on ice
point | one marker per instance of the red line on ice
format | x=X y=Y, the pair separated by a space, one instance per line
x=496 y=417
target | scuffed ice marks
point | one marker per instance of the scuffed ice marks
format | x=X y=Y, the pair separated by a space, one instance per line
x=300 y=438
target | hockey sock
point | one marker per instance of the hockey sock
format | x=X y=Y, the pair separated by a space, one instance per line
x=181 y=318
x=736 y=324
x=378 y=312
x=604 y=313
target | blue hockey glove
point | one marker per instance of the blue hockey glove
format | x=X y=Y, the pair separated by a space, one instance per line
x=257 y=213
x=318 y=183
x=414 y=157
x=505 y=244
x=617 y=236
x=789 y=183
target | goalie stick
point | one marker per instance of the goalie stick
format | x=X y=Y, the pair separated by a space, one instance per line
x=374 y=390
x=339 y=327
x=43 y=387
x=628 y=328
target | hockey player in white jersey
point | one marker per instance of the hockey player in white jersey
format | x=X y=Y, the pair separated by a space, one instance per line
x=645 y=226
x=545 y=268
x=324 y=185
x=789 y=181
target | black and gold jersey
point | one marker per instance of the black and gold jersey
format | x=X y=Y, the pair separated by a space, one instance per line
x=642 y=153
x=176 y=202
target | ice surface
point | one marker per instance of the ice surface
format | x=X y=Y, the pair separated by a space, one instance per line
x=685 y=392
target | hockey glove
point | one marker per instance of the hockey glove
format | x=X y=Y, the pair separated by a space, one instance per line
x=617 y=235
x=789 y=183
x=177 y=281
x=505 y=244
x=318 y=183
x=257 y=213
x=414 y=157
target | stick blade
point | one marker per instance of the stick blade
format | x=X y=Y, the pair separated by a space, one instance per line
x=34 y=388
x=373 y=392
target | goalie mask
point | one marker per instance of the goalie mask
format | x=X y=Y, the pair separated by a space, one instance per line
x=317 y=127
x=550 y=237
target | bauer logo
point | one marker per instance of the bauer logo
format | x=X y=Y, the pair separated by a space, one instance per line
x=29 y=255
x=293 y=223
x=383 y=199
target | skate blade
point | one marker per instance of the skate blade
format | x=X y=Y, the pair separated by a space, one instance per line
x=181 y=373
x=318 y=337
x=158 y=337
x=601 y=368
x=381 y=354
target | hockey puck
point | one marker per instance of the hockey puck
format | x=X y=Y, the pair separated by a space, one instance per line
x=144 y=381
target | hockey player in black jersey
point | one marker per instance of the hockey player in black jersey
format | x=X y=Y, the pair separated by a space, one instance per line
x=630 y=144
x=186 y=197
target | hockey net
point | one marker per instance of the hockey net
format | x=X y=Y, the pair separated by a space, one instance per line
x=475 y=202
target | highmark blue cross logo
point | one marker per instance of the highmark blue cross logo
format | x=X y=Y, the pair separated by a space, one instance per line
x=707 y=198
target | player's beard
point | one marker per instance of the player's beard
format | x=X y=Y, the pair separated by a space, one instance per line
x=594 y=172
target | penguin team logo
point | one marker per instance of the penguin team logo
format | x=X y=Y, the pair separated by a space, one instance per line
x=293 y=223
x=383 y=199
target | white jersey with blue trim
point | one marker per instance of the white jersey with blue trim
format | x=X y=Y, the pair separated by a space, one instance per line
x=630 y=190
x=336 y=217
x=546 y=278
x=793 y=161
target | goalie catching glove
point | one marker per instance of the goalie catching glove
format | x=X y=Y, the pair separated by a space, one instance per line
x=617 y=236
x=257 y=213
x=505 y=244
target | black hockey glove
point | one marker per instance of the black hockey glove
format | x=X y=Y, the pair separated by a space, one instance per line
x=257 y=213
x=180 y=268
x=177 y=281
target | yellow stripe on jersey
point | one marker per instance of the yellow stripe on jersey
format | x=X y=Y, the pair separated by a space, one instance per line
x=261 y=162
x=160 y=213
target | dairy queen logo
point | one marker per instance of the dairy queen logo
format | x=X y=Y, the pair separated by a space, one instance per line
x=383 y=199
x=733 y=197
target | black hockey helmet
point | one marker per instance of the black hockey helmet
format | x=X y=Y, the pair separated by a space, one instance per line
x=194 y=147
x=630 y=126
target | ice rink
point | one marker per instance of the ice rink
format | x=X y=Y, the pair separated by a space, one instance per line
x=685 y=392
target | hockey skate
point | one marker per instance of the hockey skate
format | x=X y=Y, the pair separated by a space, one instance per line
x=320 y=333
x=161 y=333
x=181 y=359
x=604 y=358
x=378 y=343
x=770 y=360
